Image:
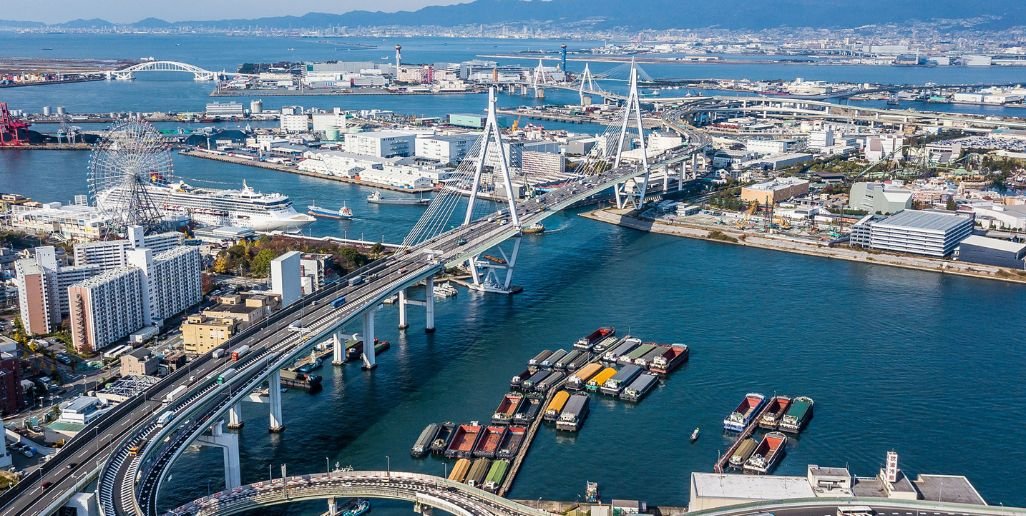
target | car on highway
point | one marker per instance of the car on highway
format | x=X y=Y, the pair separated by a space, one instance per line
x=47 y=484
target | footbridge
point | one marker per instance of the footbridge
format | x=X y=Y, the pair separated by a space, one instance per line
x=426 y=492
x=199 y=74
x=127 y=453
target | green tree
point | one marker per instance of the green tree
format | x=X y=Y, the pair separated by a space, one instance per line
x=951 y=206
x=260 y=265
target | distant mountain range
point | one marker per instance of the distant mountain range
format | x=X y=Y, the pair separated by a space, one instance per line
x=636 y=14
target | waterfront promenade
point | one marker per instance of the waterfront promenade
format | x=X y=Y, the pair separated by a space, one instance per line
x=728 y=235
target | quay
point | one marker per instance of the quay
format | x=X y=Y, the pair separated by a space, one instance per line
x=728 y=235
x=555 y=117
x=748 y=431
x=218 y=92
x=294 y=170
x=563 y=507
x=50 y=146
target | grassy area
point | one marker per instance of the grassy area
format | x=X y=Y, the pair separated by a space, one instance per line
x=253 y=258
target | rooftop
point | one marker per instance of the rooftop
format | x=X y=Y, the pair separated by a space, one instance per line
x=750 y=487
x=948 y=488
x=926 y=220
x=994 y=243
x=778 y=183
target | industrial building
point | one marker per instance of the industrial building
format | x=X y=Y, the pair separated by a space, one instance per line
x=447 y=148
x=225 y=109
x=879 y=198
x=992 y=251
x=383 y=144
x=470 y=121
x=779 y=189
x=929 y=233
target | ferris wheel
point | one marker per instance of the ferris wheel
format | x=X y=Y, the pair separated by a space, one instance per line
x=130 y=160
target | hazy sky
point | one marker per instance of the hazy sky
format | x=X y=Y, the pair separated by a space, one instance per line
x=123 y=11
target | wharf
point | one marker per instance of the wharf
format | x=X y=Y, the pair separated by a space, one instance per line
x=293 y=170
x=328 y=93
x=50 y=146
x=561 y=507
x=318 y=354
x=752 y=425
x=555 y=117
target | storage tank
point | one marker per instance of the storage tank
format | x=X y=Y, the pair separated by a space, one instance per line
x=256 y=107
x=331 y=134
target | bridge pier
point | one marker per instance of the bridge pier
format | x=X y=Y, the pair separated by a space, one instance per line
x=424 y=510
x=369 y=360
x=429 y=306
x=274 y=388
x=338 y=350
x=403 y=324
x=235 y=416
x=229 y=444
x=332 y=507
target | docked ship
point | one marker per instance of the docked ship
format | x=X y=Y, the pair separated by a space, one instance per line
x=767 y=454
x=343 y=213
x=742 y=452
x=463 y=441
x=798 y=415
x=376 y=198
x=771 y=417
x=489 y=442
x=743 y=414
x=210 y=207
x=507 y=408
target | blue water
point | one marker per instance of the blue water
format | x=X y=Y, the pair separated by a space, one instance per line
x=925 y=364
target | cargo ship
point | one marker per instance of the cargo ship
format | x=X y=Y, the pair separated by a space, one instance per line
x=639 y=387
x=580 y=378
x=798 y=414
x=556 y=406
x=645 y=361
x=464 y=440
x=743 y=414
x=676 y=355
x=563 y=363
x=422 y=446
x=742 y=452
x=621 y=379
x=636 y=353
x=551 y=360
x=489 y=441
x=587 y=342
x=511 y=442
x=574 y=414
x=516 y=381
x=606 y=343
x=507 y=408
x=442 y=437
x=767 y=454
x=598 y=380
x=460 y=470
x=495 y=476
x=774 y=412
x=549 y=382
x=478 y=472
x=343 y=213
x=535 y=379
x=613 y=356
x=539 y=358
x=376 y=198
x=528 y=411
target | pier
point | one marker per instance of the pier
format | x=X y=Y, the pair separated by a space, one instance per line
x=721 y=462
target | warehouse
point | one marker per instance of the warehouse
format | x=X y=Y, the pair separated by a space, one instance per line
x=992 y=251
x=930 y=233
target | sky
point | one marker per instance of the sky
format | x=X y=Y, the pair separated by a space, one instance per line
x=126 y=11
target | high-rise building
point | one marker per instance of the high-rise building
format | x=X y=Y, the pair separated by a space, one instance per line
x=285 y=279
x=111 y=253
x=12 y=397
x=37 y=305
x=106 y=308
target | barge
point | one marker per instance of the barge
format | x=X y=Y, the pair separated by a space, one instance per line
x=574 y=414
x=310 y=382
x=515 y=382
x=743 y=414
x=612 y=356
x=495 y=476
x=580 y=378
x=549 y=382
x=600 y=379
x=742 y=453
x=621 y=379
x=767 y=454
x=588 y=342
x=511 y=442
x=550 y=361
x=464 y=441
x=636 y=353
x=645 y=360
x=676 y=355
x=639 y=387
x=478 y=472
x=460 y=470
x=489 y=441
x=797 y=415
x=507 y=408
x=528 y=411
x=443 y=437
x=422 y=446
x=774 y=412
x=539 y=358
x=563 y=364
x=528 y=384
x=606 y=343
x=556 y=406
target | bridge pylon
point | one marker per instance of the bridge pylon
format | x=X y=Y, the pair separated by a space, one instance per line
x=628 y=192
x=484 y=273
x=586 y=79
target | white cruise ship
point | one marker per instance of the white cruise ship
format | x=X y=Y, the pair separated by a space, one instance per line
x=242 y=208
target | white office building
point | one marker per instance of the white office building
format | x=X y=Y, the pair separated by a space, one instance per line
x=324 y=122
x=448 y=148
x=285 y=277
x=383 y=144
x=295 y=123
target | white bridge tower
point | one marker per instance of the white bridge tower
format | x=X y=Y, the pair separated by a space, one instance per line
x=629 y=192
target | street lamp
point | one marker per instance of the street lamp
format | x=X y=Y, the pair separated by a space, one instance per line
x=327 y=465
x=388 y=467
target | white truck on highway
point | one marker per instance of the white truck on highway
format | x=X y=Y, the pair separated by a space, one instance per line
x=173 y=395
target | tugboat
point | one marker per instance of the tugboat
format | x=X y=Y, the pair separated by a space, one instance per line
x=343 y=213
x=376 y=198
x=694 y=435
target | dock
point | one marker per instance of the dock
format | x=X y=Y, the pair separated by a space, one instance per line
x=752 y=425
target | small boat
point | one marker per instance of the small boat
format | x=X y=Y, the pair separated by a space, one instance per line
x=357 y=507
x=694 y=435
x=343 y=213
x=376 y=198
x=445 y=290
x=533 y=229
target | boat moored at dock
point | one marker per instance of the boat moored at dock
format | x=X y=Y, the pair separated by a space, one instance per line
x=613 y=355
x=539 y=358
x=516 y=381
x=495 y=476
x=507 y=408
x=743 y=414
x=460 y=470
x=556 y=406
x=641 y=386
x=580 y=378
x=489 y=441
x=599 y=379
x=672 y=358
x=636 y=353
x=767 y=454
x=774 y=412
x=550 y=361
x=528 y=411
x=535 y=379
x=376 y=198
x=422 y=446
x=574 y=414
x=797 y=416
x=549 y=382
x=478 y=472
x=563 y=363
x=742 y=452
x=621 y=379
x=464 y=440
x=511 y=442
x=443 y=437
x=587 y=342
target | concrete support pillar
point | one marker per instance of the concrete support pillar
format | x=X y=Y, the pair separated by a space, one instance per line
x=274 y=386
x=332 y=507
x=429 y=306
x=338 y=350
x=229 y=444
x=683 y=174
x=235 y=416
x=369 y=359
x=403 y=324
x=423 y=510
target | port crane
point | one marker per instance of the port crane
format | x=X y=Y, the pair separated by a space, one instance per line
x=10 y=128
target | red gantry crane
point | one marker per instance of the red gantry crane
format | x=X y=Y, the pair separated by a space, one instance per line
x=10 y=128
